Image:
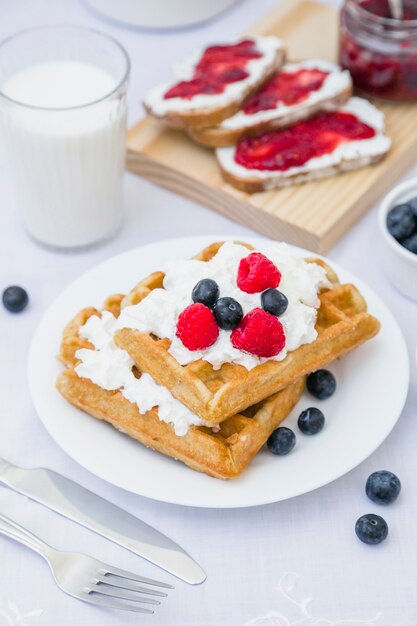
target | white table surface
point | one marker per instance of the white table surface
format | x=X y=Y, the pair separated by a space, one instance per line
x=262 y=563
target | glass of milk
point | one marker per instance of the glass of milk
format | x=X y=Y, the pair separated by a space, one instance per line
x=63 y=123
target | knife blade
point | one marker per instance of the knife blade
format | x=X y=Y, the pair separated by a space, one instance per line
x=101 y=516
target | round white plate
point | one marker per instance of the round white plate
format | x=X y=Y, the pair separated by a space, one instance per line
x=359 y=416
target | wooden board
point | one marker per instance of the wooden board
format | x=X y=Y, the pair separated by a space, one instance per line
x=314 y=215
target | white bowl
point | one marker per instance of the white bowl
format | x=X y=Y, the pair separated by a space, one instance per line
x=400 y=264
x=160 y=13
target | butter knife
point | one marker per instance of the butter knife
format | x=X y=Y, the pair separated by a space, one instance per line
x=90 y=510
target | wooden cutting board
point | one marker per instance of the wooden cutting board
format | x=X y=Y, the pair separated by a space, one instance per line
x=314 y=215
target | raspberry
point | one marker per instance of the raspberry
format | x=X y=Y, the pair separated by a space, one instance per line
x=257 y=273
x=259 y=333
x=197 y=327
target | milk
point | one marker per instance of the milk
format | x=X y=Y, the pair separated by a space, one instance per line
x=65 y=136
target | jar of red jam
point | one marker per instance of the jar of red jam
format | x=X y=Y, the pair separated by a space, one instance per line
x=379 y=51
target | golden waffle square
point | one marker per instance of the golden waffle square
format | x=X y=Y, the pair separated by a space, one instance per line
x=221 y=453
x=214 y=395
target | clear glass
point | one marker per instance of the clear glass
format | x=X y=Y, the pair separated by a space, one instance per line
x=67 y=160
x=380 y=52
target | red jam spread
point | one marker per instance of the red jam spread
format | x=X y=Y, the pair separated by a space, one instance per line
x=217 y=67
x=286 y=88
x=381 y=8
x=380 y=52
x=282 y=149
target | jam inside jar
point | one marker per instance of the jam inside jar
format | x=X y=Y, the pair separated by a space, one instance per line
x=380 y=52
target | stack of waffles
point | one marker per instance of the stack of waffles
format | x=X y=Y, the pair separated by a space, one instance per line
x=235 y=408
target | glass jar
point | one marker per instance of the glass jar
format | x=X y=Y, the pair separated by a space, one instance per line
x=380 y=52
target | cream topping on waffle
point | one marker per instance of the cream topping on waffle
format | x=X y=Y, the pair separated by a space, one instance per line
x=110 y=367
x=159 y=311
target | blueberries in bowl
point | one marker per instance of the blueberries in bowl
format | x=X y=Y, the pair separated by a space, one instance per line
x=371 y=528
x=410 y=243
x=383 y=487
x=321 y=384
x=402 y=224
x=15 y=299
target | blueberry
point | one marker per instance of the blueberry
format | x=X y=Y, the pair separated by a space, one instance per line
x=401 y=221
x=413 y=205
x=228 y=313
x=274 y=302
x=15 y=299
x=383 y=487
x=311 y=421
x=281 y=441
x=206 y=291
x=371 y=528
x=410 y=243
x=321 y=384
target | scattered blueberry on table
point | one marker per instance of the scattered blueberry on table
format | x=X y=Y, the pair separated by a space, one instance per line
x=281 y=441
x=311 y=421
x=371 y=528
x=15 y=299
x=402 y=224
x=383 y=487
x=321 y=384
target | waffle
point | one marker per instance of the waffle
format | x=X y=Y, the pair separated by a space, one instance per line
x=221 y=453
x=214 y=395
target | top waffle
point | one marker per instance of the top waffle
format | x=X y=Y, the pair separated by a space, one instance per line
x=216 y=394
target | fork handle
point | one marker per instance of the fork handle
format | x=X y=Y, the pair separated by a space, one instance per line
x=11 y=529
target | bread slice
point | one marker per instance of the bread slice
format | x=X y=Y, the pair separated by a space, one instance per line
x=347 y=156
x=204 y=110
x=331 y=95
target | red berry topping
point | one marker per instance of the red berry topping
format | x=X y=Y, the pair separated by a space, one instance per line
x=218 y=66
x=257 y=273
x=279 y=150
x=286 y=88
x=259 y=333
x=197 y=327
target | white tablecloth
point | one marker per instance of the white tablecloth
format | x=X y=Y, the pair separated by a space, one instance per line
x=295 y=562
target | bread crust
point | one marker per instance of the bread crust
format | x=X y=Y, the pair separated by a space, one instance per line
x=275 y=181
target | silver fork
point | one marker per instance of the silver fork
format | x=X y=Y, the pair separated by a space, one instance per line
x=86 y=578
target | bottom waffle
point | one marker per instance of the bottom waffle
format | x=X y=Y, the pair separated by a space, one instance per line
x=221 y=453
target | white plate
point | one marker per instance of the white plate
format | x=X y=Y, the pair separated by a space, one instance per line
x=359 y=416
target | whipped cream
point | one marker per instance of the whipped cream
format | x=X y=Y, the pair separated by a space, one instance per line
x=110 y=367
x=268 y=46
x=159 y=311
x=350 y=151
x=336 y=82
